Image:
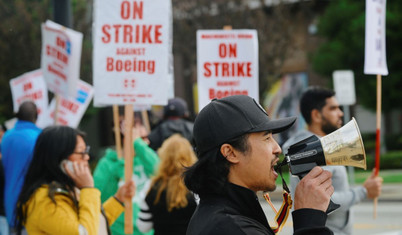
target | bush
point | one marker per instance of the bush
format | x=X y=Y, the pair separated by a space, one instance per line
x=393 y=141
x=369 y=142
x=389 y=160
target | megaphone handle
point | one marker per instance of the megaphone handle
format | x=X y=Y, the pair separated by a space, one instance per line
x=332 y=205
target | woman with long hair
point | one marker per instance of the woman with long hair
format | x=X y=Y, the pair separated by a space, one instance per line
x=58 y=195
x=169 y=205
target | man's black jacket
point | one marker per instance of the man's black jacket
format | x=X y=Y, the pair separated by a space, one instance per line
x=239 y=212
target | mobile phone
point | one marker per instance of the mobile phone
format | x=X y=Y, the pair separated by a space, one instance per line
x=66 y=164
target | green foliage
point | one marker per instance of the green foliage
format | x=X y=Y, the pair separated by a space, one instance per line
x=389 y=160
x=343 y=26
x=20 y=42
x=393 y=141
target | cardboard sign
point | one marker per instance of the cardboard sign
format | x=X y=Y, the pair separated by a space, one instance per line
x=31 y=86
x=227 y=64
x=61 y=57
x=344 y=84
x=375 y=60
x=132 y=47
x=72 y=109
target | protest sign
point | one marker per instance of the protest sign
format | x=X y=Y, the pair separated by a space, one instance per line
x=61 y=57
x=375 y=61
x=344 y=86
x=31 y=86
x=132 y=46
x=227 y=64
x=71 y=109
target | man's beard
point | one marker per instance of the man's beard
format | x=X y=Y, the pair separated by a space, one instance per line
x=327 y=127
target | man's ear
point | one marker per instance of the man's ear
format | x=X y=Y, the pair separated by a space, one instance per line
x=229 y=153
x=316 y=116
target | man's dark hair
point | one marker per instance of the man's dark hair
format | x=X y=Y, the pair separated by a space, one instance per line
x=209 y=174
x=314 y=98
x=27 y=112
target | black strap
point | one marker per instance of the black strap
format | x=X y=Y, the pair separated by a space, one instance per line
x=279 y=169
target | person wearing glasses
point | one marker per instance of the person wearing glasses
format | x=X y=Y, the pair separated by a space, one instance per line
x=58 y=195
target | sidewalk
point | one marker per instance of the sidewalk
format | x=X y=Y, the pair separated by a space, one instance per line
x=390 y=192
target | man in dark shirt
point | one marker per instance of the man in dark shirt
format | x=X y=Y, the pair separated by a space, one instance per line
x=174 y=121
x=237 y=154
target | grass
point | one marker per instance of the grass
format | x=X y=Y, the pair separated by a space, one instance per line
x=389 y=176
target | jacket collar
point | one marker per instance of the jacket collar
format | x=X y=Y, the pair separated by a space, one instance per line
x=247 y=203
x=25 y=125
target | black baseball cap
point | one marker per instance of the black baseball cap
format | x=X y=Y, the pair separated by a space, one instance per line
x=230 y=117
x=176 y=107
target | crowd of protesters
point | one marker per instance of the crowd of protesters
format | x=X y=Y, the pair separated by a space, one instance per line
x=199 y=178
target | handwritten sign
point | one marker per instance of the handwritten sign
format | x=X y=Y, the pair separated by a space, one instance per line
x=227 y=64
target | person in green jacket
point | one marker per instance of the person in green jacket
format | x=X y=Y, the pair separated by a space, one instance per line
x=109 y=174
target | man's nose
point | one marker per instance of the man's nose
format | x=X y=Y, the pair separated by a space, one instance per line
x=277 y=148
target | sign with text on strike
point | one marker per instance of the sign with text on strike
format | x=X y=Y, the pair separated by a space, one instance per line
x=71 y=109
x=61 y=58
x=227 y=64
x=132 y=46
x=31 y=86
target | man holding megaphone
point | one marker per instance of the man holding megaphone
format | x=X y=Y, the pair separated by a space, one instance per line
x=323 y=116
x=237 y=157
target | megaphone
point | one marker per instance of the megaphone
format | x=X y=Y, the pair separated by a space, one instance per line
x=341 y=147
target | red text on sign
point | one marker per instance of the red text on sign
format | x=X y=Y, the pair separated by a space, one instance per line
x=126 y=33
x=227 y=50
x=132 y=65
x=27 y=86
x=227 y=69
x=132 y=10
x=214 y=93
x=56 y=53
x=69 y=105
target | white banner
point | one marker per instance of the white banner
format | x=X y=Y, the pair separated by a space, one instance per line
x=61 y=58
x=31 y=86
x=132 y=47
x=375 y=60
x=344 y=85
x=71 y=110
x=227 y=64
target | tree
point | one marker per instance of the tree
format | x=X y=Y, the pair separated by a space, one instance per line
x=343 y=26
x=20 y=41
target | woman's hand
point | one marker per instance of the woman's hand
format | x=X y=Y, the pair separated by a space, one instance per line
x=126 y=191
x=81 y=175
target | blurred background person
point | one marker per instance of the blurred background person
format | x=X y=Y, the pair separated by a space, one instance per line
x=16 y=148
x=174 y=121
x=169 y=205
x=322 y=113
x=109 y=174
x=58 y=196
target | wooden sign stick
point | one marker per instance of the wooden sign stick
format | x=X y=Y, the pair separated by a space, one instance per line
x=128 y=165
x=117 y=130
x=378 y=138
